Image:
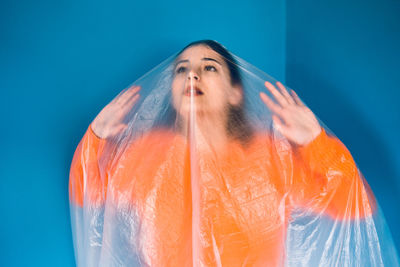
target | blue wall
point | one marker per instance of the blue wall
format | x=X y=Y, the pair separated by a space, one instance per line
x=343 y=58
x=62 y=61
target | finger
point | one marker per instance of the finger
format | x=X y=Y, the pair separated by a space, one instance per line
x=133 y=100
x=132 y=91
x=129 y=94
x=269 y=103
x=277 y=120
x=285 y=93
x=281 y=127
x=278 y=96
x=135 y=88
x=129 y=105
x=297 y=98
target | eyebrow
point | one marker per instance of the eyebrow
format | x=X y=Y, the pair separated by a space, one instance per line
x=204 y=58
x=211 y=59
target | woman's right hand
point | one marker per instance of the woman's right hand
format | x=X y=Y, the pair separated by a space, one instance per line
x=109 y=121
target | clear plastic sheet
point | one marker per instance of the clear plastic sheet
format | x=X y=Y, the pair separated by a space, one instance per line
x=207 y=161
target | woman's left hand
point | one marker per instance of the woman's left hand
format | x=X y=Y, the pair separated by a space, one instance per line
x=292 y=118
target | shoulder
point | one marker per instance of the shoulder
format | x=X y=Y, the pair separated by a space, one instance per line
x=151 y=144
x=143 y=152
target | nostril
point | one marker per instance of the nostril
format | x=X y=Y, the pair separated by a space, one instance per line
x=193 y=75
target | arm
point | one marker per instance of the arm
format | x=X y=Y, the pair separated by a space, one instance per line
x=324 y=174
x=89 y=178
x=85 y=182
x=89 y=166
x=327 y=176
x=86 y=188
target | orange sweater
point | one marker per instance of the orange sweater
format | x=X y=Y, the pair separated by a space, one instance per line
x=246 y=194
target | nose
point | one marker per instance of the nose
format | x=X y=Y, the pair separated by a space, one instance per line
x=193 y=75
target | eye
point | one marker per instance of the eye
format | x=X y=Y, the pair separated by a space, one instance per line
x=180 y=69
x=210 y=68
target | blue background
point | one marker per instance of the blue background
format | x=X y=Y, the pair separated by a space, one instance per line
x=62 y=61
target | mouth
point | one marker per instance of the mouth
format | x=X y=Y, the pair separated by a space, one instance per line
x=195 y=90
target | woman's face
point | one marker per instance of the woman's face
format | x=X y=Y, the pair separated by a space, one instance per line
x=202 y=82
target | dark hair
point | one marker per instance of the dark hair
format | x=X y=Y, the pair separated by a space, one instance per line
x=224 y=53
x=237 y=125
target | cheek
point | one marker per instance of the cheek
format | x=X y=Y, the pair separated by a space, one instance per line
x=177 y=89
x=218 y=92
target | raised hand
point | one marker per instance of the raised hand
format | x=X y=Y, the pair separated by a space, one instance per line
x=109 y=121
x=292 y=118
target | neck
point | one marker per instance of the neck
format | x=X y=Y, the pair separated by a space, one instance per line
x=206 y=132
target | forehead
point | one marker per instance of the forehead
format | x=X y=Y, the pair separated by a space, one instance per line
x=199 y=52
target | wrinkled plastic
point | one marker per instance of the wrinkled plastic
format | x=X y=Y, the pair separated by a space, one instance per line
x=196 y=168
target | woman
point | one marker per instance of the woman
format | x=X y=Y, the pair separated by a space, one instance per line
x=212 y=189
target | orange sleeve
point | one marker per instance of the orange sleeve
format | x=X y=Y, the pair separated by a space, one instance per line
x=327 y=178
x=86 y=181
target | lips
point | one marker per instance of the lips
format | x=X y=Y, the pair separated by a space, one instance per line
x=196 y=91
